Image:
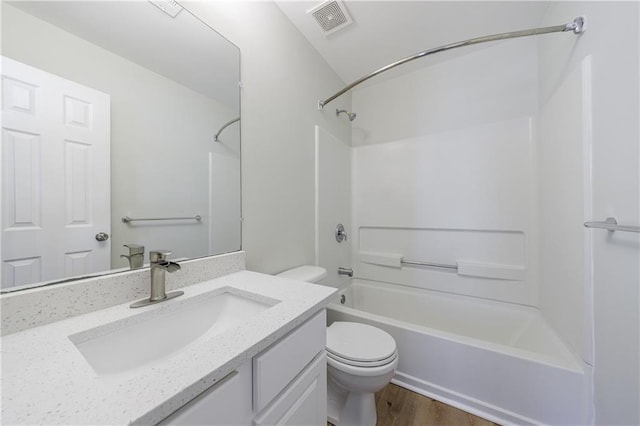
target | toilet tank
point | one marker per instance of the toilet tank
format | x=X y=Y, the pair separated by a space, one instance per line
x=308 y=273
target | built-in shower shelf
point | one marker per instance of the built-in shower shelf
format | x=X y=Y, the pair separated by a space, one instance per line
x=463 y=268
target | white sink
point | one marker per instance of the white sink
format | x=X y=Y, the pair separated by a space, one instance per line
x=158 y=333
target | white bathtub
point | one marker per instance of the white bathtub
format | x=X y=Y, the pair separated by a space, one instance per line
x=498 y=360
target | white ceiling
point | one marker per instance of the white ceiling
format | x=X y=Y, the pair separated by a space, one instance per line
x=182 y=49
x=385 y=31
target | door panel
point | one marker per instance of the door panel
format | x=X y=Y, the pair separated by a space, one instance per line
x=56 y=176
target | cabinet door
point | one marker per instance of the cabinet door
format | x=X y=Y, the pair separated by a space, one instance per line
x=276 y=367
x=226 y=403
x=304 y=402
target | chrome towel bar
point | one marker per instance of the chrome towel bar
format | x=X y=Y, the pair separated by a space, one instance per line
x=611 y=224
x=127 y=219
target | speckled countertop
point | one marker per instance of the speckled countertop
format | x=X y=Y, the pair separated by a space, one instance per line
x=46 y=380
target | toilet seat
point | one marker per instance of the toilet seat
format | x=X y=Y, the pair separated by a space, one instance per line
x=359 y=345
x=364 y=364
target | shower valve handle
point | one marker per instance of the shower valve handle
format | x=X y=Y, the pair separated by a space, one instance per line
x=341 y=235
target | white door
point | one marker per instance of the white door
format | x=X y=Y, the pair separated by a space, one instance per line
x=55 y=176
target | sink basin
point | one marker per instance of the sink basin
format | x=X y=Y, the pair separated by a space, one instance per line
x=143 y=339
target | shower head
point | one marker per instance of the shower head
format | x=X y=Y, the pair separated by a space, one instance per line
x=351 y=115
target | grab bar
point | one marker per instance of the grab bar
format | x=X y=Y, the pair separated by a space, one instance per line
x=462 y=267
x=430 y=265
x=127 y=219
x=611 y=224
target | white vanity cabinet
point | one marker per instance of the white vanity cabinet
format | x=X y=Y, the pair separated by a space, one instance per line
x=290 y=380
x=302 y=403
x=228 y=402
x=283 y=385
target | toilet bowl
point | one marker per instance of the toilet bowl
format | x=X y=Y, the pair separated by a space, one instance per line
x=361 y=360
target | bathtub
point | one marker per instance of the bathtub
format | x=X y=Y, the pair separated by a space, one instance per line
x=497 y=360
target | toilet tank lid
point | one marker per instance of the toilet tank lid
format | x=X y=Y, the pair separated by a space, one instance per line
x=308 y=273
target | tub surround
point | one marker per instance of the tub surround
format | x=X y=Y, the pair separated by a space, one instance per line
x=38 y=306
x=47 y=381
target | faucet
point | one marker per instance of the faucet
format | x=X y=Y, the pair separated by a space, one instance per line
x=345 y=271
x=135 y=257
x=158 y=266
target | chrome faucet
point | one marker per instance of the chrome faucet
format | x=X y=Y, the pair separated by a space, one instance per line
x=345 y=271
x=135 y=256
x=158 y=265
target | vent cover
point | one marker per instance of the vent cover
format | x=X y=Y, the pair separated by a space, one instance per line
x=331 y=15
x=170 y=7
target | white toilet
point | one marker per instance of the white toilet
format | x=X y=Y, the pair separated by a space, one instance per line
x=361 y=360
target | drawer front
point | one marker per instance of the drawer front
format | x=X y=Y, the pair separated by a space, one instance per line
x=304 y=402
x=277 y=366
x=225 y=403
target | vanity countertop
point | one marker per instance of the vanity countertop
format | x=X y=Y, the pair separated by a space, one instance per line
x=46 y=380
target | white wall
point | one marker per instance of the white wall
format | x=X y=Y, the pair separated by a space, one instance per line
x=563 y=150
x=282 y=77
x=148 y=133
x=444 y=171
x=333 y=204
x=496 y=83
x=225 y=192
x=610 y=49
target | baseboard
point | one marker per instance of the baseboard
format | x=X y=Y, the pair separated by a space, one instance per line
x=465 y=403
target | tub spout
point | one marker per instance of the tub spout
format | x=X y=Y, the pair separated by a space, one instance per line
x=345 y=271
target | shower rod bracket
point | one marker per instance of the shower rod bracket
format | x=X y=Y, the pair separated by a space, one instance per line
x=577 y=26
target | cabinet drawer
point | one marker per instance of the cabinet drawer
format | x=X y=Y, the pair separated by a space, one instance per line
x=304 y=402
x=277 y=366
x=225 y=403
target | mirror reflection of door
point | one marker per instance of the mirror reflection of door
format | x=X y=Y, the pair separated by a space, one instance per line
x=55 y=179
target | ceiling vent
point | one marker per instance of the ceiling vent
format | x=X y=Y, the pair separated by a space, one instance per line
x=331 y=15
x=170 y=7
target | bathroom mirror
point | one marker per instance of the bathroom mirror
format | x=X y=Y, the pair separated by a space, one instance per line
x=109 y=111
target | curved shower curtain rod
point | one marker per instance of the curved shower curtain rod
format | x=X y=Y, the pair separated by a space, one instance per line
x=577 y=26
x=224 y=126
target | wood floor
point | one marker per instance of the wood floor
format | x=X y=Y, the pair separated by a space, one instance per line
x=397 y=406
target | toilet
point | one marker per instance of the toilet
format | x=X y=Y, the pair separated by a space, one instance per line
x=361 y=360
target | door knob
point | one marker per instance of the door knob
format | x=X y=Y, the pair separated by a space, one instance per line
x=101 y=236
